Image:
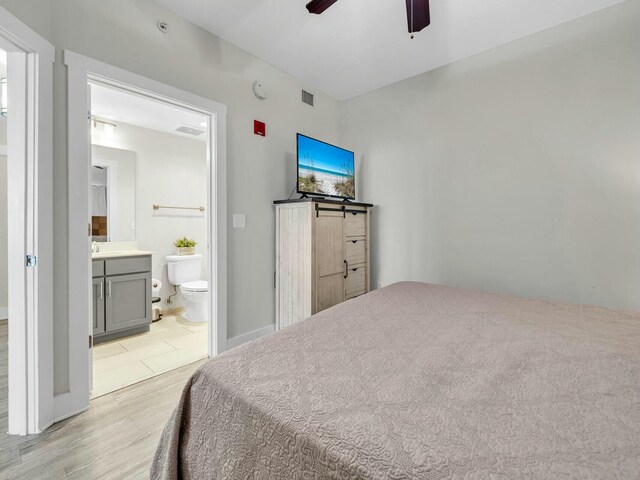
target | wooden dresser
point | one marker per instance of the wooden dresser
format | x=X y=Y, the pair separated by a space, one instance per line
x=322 y=255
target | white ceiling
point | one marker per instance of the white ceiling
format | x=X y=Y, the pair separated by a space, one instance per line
x=117 y=106
x=359 y=45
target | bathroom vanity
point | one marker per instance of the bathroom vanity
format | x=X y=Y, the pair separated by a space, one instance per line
x=121 y=294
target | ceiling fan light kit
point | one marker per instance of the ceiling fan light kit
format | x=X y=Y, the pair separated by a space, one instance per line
x=418 y=14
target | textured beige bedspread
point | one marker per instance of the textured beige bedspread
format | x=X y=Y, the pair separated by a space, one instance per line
x=417 y=381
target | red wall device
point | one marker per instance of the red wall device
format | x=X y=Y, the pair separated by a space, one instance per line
x=259 y=128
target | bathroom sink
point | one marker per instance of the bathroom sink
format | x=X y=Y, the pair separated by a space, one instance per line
x=120 y=253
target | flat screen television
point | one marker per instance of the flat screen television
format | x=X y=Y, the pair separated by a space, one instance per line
x=325 y=169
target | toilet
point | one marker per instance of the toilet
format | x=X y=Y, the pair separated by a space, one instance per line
x=184 y=274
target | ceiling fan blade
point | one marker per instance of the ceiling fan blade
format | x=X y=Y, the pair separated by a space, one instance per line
x=319 y=6
x=418 y=15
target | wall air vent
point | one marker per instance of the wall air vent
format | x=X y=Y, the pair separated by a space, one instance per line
x=190 y=130
x=307 y=97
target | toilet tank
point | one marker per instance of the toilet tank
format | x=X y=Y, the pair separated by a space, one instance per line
x=184 y=268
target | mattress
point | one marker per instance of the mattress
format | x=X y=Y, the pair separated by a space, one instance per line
x=418 y=381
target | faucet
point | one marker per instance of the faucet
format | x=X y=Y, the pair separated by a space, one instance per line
x=95 y=247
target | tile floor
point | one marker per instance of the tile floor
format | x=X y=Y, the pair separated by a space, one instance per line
x=171 y=343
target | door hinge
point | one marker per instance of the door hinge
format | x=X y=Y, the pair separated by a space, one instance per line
x=32 y=261
x=89 y=229
x=90 y=341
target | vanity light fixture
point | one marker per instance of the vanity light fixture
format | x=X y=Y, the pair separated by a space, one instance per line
x=3 y=97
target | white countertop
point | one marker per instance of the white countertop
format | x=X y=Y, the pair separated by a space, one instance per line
x=120 y=254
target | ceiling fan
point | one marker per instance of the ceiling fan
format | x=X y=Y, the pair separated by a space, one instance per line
x=418 y=16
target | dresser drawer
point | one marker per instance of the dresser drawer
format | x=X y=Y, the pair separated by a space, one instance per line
x=356 y=282
x=355 y=225
x=124 y=266
x=356 y=251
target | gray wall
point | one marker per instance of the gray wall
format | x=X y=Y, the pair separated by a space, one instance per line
x=517 y=170
x=124 y=33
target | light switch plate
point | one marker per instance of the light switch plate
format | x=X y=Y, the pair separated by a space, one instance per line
x=239 y=220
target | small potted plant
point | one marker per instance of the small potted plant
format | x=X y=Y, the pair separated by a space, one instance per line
x=185 y=246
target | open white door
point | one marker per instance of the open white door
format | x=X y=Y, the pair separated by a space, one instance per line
x=30 y=222
x=100 y=287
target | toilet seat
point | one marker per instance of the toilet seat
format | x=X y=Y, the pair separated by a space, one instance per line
x=197 y=286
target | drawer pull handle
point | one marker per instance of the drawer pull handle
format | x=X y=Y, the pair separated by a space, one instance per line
x=346 y=269
x=109 y=289
x=354 y=241
x=355 y=269
x=101 y=290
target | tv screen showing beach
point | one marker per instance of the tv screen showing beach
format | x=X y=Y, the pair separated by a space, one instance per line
x=324 y=169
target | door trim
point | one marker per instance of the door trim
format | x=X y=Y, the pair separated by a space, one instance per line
x=30 y=199
x=80 y=71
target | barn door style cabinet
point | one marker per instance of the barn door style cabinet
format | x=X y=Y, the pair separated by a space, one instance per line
x=322 y=256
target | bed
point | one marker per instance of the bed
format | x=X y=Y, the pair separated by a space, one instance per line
x=418 y=381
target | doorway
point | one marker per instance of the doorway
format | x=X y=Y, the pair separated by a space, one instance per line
x=148 y=191
x=83 y=73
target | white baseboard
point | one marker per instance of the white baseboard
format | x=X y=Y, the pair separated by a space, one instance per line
x=247 y=337
x=4 y=313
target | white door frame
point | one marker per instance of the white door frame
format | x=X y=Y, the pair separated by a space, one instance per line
x=80 y=71
x=30 y=219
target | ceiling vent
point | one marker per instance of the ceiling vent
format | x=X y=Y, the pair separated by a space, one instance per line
x=190 y=130
x=307 y=98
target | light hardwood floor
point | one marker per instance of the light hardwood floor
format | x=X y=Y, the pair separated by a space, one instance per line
x=114 y=439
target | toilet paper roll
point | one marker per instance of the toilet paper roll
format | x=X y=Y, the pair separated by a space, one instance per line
x=156 y=285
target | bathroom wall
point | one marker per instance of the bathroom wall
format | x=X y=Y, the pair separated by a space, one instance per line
x=169 y=170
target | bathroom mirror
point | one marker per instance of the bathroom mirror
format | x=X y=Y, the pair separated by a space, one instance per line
x=113 y=195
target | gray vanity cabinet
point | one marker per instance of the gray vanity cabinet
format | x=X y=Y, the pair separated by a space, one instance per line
x=98 y=306
x=121 y=297
x=128 y=302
